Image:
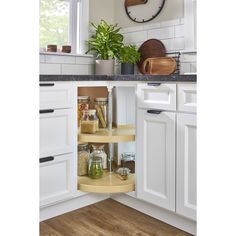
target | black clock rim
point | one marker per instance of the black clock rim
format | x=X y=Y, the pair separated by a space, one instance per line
x=127 y=13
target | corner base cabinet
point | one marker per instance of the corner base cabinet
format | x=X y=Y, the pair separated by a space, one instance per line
x=156 y=158
x=186 y=165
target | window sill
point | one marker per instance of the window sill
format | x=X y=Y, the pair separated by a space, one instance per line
x=65 y=54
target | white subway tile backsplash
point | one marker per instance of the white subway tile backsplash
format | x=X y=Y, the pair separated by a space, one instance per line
x=179 y=31
x=185 y=68
x=85 y=60
x=170 y=23
x=91 y=69
x=50 y=69
x=60 y=59
x=168 y=44
x=67 y=69
x=41 y=58
x=152 y=26
x=131 y=29
x=135 y=37
x=188 y=57
x=193 y=67
x=178 y=44
x=163 y=33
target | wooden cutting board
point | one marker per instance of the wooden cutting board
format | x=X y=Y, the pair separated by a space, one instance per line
x=149 y=49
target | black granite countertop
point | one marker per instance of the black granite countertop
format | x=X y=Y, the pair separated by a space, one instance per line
x=137 y=77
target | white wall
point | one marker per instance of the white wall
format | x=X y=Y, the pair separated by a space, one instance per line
x=101 y=9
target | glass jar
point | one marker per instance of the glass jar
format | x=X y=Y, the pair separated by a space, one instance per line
x=95 y=168
x=89 y=121
x=128 y=161
x=83 y=104
x=98 y=150
x=83 y=157
x=101 y=106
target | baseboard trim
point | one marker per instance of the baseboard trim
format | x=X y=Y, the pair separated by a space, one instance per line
x=157 y=212
x=71 y=205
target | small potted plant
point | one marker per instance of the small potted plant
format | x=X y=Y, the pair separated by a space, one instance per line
x=106 y=43
x=128 y=56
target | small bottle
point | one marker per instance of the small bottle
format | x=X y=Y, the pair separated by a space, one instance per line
x=83 y=157
x=99 y=151
x=89 y=121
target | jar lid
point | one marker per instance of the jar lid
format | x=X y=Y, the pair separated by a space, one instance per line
x=89 y=111
x=83 y=98
x=128 y=156
x=101 y=99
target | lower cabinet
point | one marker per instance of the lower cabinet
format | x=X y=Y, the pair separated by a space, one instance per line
x=156 y=158
x=56 y=178
x=186 y=165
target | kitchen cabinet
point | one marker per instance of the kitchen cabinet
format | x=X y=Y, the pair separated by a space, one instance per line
x=156 y=158
x=56 y=178
x=186 y=165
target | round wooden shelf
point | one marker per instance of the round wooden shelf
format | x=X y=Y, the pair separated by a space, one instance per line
x=120 y=134
x=109 y=183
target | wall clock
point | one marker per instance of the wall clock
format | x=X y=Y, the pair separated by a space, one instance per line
x=141 y=11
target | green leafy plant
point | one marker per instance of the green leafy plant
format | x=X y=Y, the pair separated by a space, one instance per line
x=129 y=54
x=106 y=41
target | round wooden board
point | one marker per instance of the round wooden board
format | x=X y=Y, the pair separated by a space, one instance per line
x=150 y=48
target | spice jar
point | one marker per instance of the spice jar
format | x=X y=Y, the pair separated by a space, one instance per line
x=98 y=150
x=95 y=169
x=128 y=161
x=101 y=106
x=83 y=104
x=89 y=121
x=83 y=157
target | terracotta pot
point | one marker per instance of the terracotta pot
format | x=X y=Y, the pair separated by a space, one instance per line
x=104 y=67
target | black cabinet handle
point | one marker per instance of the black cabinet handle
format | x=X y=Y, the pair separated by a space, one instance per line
x=156 y=112
x=47 y=85
x=154 y=84
x=46 y=111
x=46 y=159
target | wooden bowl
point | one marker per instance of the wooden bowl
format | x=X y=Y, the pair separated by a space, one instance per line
x=159 y=66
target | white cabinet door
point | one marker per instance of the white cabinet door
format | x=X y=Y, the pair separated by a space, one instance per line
x=56 y=132
x=56 y=95
x=186 y=165
x=56 y=178
x=157 y=96
x=156 y=158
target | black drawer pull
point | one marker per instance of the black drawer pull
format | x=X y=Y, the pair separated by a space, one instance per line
x=154 y=84
x=47 y=85
x=46 y=111
x=156 y=112
x=46 y=159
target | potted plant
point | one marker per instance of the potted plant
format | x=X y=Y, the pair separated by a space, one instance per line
x=128 y=56
x=106 y=43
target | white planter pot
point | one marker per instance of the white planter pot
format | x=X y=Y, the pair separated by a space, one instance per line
x=104 y=67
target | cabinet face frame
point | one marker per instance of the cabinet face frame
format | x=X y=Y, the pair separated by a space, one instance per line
x=186 y=182
x=160 y=192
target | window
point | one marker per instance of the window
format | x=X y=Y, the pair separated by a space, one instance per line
x=64 y=22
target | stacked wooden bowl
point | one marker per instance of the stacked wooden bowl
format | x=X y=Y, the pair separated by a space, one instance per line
x=154 y=60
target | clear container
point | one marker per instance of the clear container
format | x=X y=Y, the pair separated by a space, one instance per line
x=98 y=150
x=123 y=173
x=89 y=121
x=95 y=169
x=83 y=158
x=83 y=104
x=101 y=106
x=128 y=161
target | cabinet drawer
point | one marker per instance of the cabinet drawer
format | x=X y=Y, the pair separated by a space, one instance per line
x=157 y=96
x=187 y=97
x=56 y=179
x=54 y=95
x=56 y=135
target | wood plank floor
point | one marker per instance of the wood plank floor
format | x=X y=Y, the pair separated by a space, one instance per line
x=107 y=218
